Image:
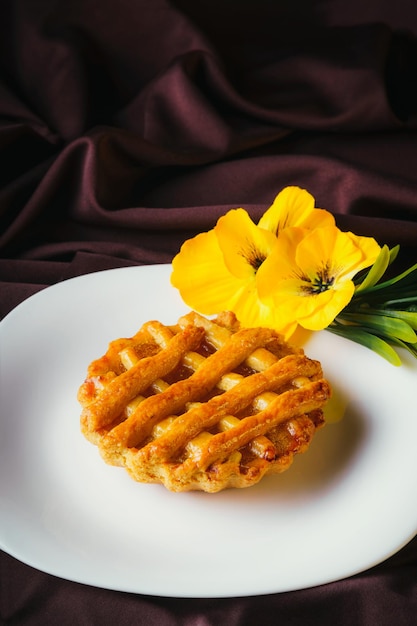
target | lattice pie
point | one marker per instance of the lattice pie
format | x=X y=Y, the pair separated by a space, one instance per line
x=202 y=405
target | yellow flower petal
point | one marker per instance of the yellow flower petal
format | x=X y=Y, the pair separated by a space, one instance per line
x=251 y=311
x=294 y=206
x=326 y=306
x=280 y=264
x=369 y=248
x=244 y=245
x=200 y=275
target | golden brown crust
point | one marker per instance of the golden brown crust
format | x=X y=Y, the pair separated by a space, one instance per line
x=203 y=404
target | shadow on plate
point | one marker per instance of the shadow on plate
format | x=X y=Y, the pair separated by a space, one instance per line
x=331 y=454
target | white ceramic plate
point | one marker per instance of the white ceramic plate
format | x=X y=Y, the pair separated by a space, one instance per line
x=346 y=505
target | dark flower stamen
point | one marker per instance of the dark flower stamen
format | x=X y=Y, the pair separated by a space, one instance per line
x=254 y=257
x=320 y=283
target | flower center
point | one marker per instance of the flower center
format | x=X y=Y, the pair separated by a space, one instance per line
x=321 y=282
x=254 y=257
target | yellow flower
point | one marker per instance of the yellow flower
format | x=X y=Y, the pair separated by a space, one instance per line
x=294 y=206
x=221 y=269
x=218 y=270
x=309 y=274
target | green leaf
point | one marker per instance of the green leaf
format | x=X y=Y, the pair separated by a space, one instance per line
x=396 y=302
x=367 y=339
x=405 y=276
x=412 y=348
x=382 y=315
x=377 y=270
x=410 y=317
x=393 y=253
x=386 y=325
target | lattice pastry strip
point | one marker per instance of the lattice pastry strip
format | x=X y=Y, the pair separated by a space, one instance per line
x=203 y=404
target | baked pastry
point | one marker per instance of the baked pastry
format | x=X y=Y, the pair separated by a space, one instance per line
x=202 y=405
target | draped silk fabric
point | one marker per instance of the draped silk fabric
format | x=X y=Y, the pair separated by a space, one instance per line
x=128 y=127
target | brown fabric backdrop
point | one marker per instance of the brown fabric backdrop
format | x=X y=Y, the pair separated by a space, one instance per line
x=127 y=127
